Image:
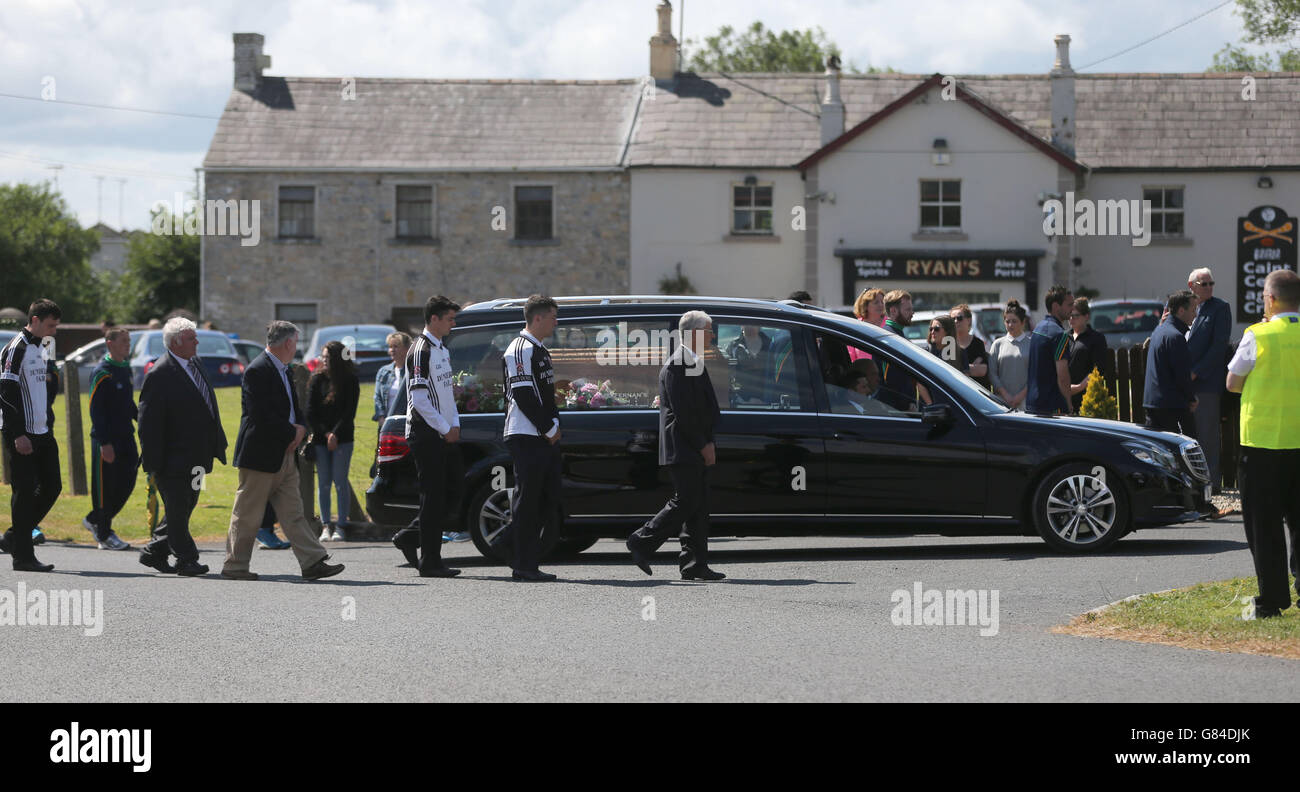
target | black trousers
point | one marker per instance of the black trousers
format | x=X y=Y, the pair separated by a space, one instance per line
x=536 y=500
x=172 y=535
x=1168 y=419
x=1270 y=491
x=686 y=513
x=36 y=485
x=442 y=482
x=111 y=484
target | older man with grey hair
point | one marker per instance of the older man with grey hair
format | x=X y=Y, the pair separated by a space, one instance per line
x=271 y=429
x=1207 y=345
x=688 y=413
x=180 y=435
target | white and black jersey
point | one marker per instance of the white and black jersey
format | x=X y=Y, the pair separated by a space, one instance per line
x=529 y=382
x=26 y=388
x=430 y=401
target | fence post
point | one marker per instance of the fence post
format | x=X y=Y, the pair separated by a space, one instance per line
x=76 y=446
x=1138 y=370
x=1124 y=383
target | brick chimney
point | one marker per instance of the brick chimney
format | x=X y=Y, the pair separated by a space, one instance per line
x=832 y=108
x=663 y=47
x=1063 y=97
x=249 y=61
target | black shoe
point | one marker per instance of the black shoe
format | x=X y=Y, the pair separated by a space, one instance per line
x=439 y=571
x=322 y=569
x=191 y=569
x=32 y=566
x=1267 y=613
x=157 y=562
x=638 y=558
x=409 y=546
x=703 y=574
x=535 y=576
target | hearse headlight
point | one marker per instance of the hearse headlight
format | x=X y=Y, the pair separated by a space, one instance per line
x=1153 y=455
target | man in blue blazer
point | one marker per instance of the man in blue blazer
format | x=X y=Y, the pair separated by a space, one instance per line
x=1207 y=345
x=272 y=427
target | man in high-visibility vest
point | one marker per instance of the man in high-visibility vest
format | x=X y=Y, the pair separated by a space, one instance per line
x=1266 y=372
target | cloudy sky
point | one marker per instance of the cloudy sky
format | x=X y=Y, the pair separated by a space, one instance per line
x=176 y=57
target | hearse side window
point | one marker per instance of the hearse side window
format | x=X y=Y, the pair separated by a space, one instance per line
x=763 y=370
x=476 y=354
x=608 y=365
x=855 y=381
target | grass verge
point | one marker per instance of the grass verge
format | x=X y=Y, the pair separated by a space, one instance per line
x=1204 y=616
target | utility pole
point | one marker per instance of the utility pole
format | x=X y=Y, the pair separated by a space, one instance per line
x=99 y=200
x=121 y=188
x=56 y=169
x=681 y=37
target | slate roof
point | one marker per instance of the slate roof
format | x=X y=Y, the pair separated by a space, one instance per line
x=1122 y=120
x=742 y=120
x=294 y=122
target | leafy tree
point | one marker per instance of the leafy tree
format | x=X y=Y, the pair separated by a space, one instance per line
x=1266 y=22
x=44 y=252
x=761 y=50
x=161 y=273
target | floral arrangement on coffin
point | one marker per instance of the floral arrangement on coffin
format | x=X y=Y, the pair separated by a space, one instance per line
x=584 y=395
x=473 y=395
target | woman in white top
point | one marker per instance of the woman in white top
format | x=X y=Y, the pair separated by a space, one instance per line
x=1009 y=359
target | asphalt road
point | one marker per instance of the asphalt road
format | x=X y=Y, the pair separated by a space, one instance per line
x=798 y=619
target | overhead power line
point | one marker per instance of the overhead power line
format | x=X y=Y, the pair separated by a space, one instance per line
x=1159 y=35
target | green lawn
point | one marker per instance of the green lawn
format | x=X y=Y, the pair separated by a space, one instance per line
x=211 y=518
x=1204 y=616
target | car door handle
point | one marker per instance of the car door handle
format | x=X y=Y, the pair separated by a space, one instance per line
x=848 y=436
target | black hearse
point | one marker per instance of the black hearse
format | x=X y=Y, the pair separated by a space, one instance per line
x=800 y=449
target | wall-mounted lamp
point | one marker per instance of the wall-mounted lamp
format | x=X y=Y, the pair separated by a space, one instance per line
x=751 y=180
x=940 y=144
x=1265 y=183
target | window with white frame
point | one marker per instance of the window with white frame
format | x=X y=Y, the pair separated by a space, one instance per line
x=534 y=212
x=941 y=204
x=415 y=211
x=1166 y=210
x=751 y=208
x=297 y=212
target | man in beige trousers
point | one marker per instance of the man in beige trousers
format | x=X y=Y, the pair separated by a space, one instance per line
x=270 y=430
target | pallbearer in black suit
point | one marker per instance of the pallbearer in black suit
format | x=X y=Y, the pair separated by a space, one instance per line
x=180 y=435
x=532 y=433
x=688 y=413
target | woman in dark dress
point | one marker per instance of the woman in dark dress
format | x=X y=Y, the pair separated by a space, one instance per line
x=977 y=356
x=332 y=395
x=1088 y=349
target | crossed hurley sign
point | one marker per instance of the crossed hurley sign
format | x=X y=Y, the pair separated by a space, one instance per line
x=1277 y=233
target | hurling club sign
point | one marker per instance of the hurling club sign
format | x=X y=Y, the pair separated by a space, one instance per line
x=1266 y=241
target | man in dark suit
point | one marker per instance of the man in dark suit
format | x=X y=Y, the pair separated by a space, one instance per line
x=180 y=434
x=688 y=413
x=1168 y=397
x=272 y=427
x=1207 y=344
